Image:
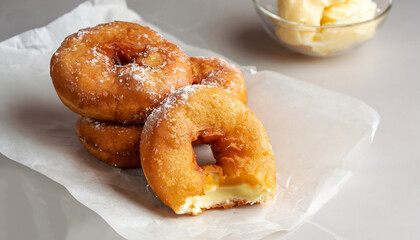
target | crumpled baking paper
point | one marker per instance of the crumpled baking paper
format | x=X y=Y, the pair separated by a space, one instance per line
x=318 y=137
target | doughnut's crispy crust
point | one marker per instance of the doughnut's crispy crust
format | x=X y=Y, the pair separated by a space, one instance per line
x=118 y=144
x=219 y=73
x=115 y=144
x=238 y=140
x=117 y=71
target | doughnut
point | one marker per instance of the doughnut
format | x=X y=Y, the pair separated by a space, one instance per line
x=244 y=172
x=219 y=73
x=117 y=71
x=118 y=145
x=113 y=143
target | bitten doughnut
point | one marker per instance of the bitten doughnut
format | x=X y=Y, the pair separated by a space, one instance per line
x=244 y=172
x=115 y=144
x=219 y=73
x=117 y=71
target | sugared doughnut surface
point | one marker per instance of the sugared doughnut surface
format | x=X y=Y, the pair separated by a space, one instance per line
x=118 y=71
x=115 y=144
x=217 y=72
x=245 y=170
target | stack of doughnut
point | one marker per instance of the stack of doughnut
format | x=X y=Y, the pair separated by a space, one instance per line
x=143 y=103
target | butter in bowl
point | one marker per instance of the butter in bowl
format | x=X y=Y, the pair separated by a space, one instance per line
x=322 y=27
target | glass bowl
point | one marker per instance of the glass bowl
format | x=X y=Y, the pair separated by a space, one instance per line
x=326 y=40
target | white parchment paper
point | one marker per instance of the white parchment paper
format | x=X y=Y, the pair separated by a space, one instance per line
x=318 y=137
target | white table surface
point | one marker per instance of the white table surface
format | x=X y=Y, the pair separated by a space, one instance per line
x=381 y=201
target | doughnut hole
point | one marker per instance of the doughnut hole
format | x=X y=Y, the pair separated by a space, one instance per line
x=204 y=155
x=120 y=59
x=203 y=152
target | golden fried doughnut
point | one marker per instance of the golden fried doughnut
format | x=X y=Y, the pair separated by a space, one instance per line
x=117 y=71
x=245 y=170
x=219 y=73
x=118 y=144
x=115 y=144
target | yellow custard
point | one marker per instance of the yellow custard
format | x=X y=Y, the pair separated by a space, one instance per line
x=323 y=41
x=222 y=195
x=218 y=192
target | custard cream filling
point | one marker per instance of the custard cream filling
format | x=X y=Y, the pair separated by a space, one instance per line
x=216 y=195
x=326 y=13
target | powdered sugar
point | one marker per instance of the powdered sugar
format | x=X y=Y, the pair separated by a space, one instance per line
x=222 y=74
x=100 y=58
x=176 y=98
x=93 y=61
x=143 y=36
x=81 y=33
x=141 y=74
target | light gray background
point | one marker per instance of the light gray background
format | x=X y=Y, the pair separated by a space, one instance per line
x=382 y=200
